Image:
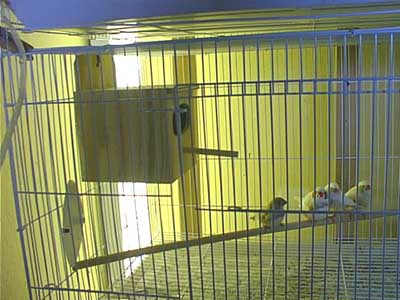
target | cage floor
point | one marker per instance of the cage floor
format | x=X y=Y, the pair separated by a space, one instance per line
x=244 y=270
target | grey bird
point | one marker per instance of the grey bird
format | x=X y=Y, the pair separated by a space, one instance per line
x=275 y=215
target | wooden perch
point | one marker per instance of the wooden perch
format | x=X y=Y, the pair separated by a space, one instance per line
x=226 y=237
x=212 y=152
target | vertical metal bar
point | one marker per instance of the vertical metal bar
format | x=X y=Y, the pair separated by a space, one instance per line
x=40 y=148
x=271 y=107
x=158 y=188
x=397 y=220
x=33 y=172
x=84 y=158
x=170 y=187
x=53 y=89
x=393 y=172
x=59 y=97
x=114 y=207
x=246 y=164
x=72 y=82
x=140 y=88
x=109 y=183
x=102 y=198
x=157 y=166
x=259 y=155
x=130 y=259
x=52 y=152
x=196 y=188
x=393 y=137
x=181 y=169
x=207 y=167
x=16 y=196
x=372 y=130
x=359 y=73
x=35 y=118
x=300 y=165
x=133 y=160
x=20 y=144
x=387 y=147
x=286 y=159
x=59 y=168
x=233 y=167
x=398 y=236
x=35 y=191
x=343 y=75
x=330 y=76
x=79 y=89
x=62 y=254
x=315 y=86
x=59 y=104
x=216 y=99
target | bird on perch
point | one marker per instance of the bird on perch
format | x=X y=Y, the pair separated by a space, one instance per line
x=338 y=201
x=274 y=217
x=315 y=201
x=360 y=194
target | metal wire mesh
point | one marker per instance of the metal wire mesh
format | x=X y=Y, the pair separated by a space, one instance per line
x=214 y=130
x=282 y=281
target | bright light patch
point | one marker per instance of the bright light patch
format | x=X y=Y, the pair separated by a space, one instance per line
x=127 y=70
x=127 y=67
x=134 y=213
x=135 y=221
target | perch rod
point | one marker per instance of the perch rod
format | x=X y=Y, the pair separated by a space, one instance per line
x=223 y=237
x=212 y=152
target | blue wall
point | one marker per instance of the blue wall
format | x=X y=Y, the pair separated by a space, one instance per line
x=74 y=13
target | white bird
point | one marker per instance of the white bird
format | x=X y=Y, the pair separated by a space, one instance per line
x=337 y=200
x=316 y=201
x=360 y=194
x=275 y=217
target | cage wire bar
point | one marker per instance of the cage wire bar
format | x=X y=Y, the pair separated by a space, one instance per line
x=216 y=128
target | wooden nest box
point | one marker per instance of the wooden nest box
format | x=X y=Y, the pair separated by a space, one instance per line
x=130 y=134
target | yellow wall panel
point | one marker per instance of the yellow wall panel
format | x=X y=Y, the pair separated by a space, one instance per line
x=376 y=128
x=258 y=126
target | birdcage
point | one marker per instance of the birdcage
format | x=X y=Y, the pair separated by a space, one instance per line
x=147 y=170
